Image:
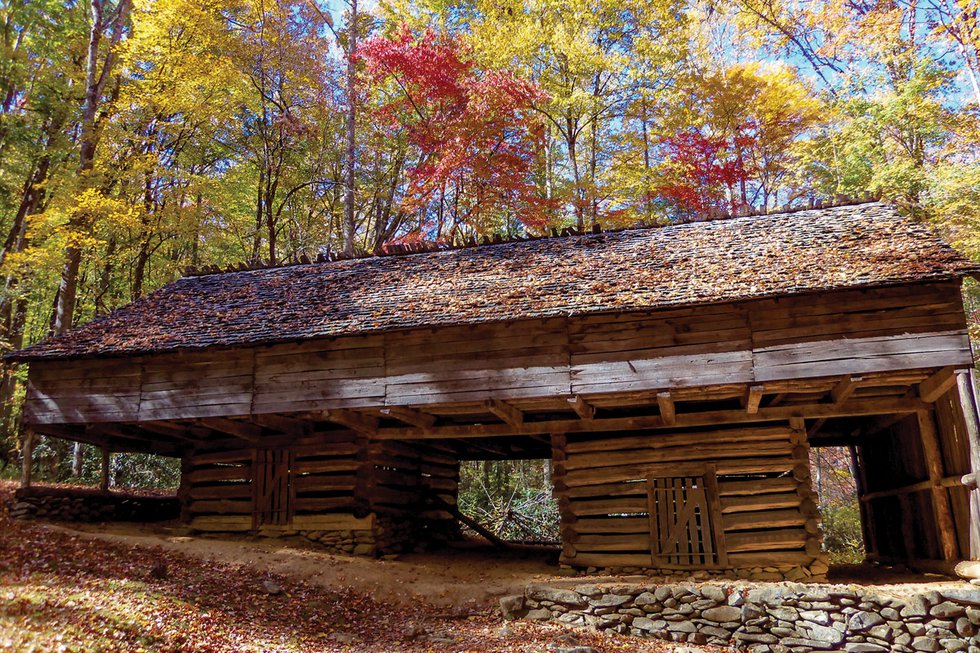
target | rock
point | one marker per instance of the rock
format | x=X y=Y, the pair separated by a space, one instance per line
x=342 y=638
x=610 y=600
x=565 y=597
x=363 y=549
x=505 y=631
x=947 y=609
x=824 y=634
x=915 y=607
x=510 y=606
x=538 y=615
x=714 y=593
x=682 y=627
x=962 y=595
x=864 y=647
x=644 y=599
x=863 y=620
x=953 y=645
x=758 y=638
x=649 y=625
x=927 y=644
x=722 y=614
x=271 y=587
x=688 y=649
x=965 y=628
x=816 y=616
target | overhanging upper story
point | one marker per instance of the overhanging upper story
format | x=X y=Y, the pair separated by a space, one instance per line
x=842 y=311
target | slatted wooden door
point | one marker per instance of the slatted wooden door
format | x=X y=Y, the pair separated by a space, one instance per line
x=685 y=520
x=274 y=496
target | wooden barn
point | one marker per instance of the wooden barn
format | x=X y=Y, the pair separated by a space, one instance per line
x=677 y=377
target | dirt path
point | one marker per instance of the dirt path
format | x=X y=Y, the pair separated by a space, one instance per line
x=461 y=578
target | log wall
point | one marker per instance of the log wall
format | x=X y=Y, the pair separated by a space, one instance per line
x=851 y=332
x=394 y=495
x=760 y=504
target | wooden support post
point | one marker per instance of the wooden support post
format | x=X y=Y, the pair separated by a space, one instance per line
x=104 y=483
x=582 y=408
x=754 y=398
x=940 y=498
x=667 y=412
x=505 y=412
x=867 y=516
x=845 y=388
x=27 y=455
x=967 y=396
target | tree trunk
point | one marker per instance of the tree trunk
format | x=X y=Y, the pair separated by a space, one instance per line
x=350 y=225
x=570 y=139
x=96 y=76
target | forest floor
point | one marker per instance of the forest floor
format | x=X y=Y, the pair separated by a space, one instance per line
x=120 y=589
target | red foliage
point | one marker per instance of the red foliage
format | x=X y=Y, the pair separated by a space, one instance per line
x=707 y=171
x=475 y=130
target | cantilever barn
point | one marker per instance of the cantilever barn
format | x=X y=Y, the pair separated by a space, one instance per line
x=677 y=378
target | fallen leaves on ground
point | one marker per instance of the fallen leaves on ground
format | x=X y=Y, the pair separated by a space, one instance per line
x=64 y=593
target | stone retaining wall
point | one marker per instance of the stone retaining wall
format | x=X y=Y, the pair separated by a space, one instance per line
x=84 y=505
x=767 y=618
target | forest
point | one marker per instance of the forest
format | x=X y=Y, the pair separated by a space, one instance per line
x=139 y=138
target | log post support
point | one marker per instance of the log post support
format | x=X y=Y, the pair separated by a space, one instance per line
x=104 y=480
x=940 y=499
x=967 y=396
x=27 y=458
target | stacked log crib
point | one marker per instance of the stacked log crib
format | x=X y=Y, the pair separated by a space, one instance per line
x=734 y=501
x=333 y=488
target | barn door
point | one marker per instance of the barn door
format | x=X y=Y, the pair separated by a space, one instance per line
x=273 y=487
x=685 y=524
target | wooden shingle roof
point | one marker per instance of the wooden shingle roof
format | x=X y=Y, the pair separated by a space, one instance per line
x=743 y=258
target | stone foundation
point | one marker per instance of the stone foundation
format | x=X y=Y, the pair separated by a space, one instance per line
x=386 y=536
x=84 y=505
x=766 y=618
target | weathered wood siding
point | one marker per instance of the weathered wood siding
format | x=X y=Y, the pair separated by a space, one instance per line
x=763 y=510
x=853 y=332
x=220 y=486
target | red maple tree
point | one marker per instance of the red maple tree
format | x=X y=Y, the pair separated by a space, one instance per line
x=475 y=130
x=705 y=172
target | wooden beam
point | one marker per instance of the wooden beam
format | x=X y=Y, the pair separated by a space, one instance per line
x=667 y=408
x=363 y=424
x=937 y=385
x=949 y=481
x=505 y=412
x=27 y=458
x=753 y=398
x=284 y=425
x=409 y=416
x=845 y=388
x=244 y=430
x=181 y=430
x=940 y=498
x=865 y=407
x=813 y=430
x=582 y=408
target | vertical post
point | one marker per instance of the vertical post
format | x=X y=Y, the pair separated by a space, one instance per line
x=104 y=484
x=940 y=499
x=965 y=387
x=27 y=454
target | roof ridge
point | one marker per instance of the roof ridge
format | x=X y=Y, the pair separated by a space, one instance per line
x=428 y=247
